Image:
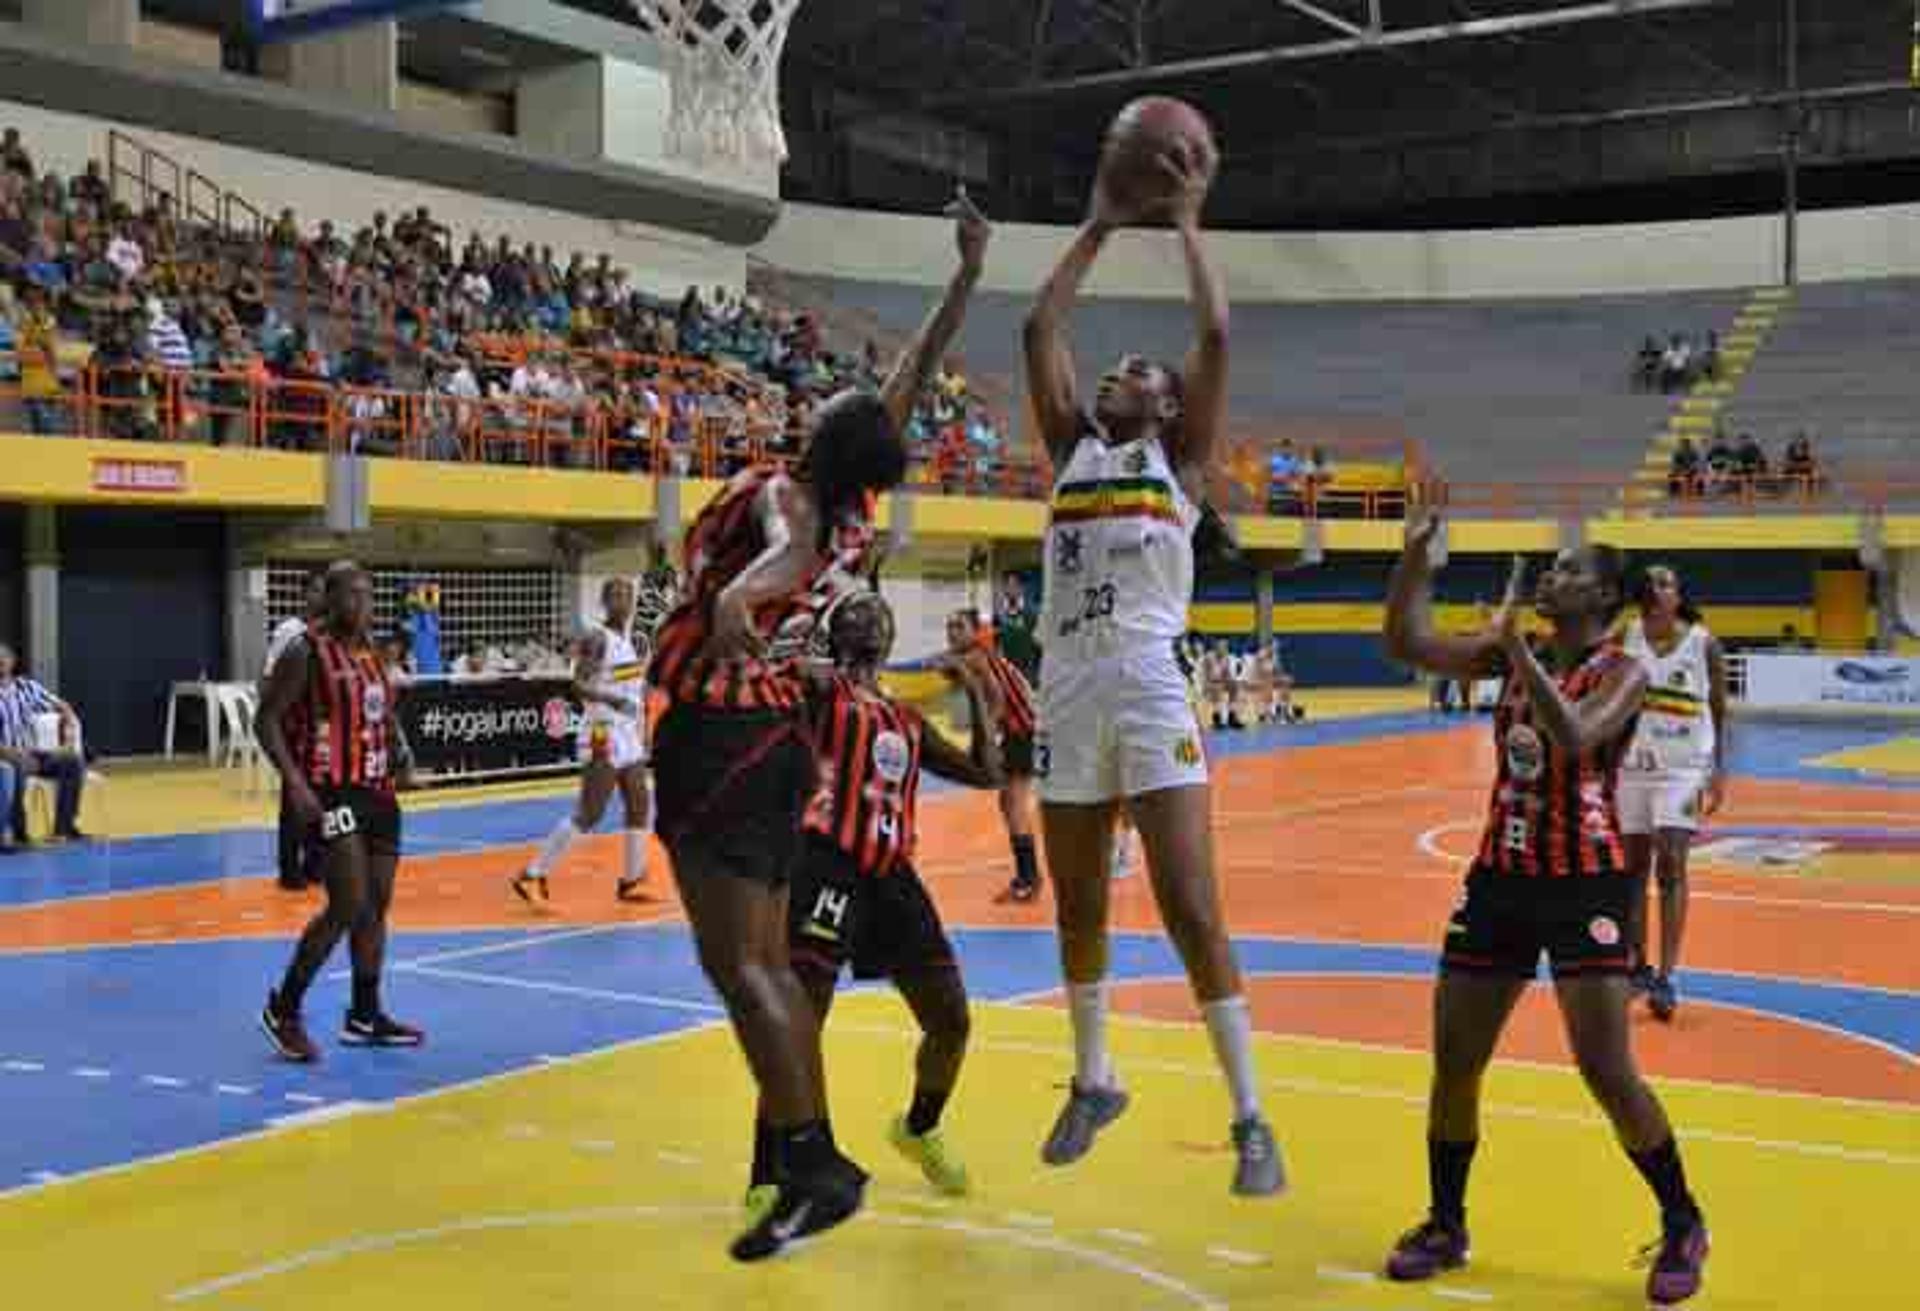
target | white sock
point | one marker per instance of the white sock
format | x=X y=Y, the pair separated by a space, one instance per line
x=563 y=836
x=633 y=851
x=1230 y=1025
x=1087 y=1003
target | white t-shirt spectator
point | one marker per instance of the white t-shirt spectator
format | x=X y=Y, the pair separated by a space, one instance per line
x=477 y=288
x=125 y=254
x=283 y=635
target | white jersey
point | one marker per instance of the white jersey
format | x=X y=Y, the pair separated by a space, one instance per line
x=623 y=674
x=1676 y=732
x=1119 y=568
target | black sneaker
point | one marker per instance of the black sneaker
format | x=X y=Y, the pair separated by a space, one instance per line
x=805 y=1206
x=1429 y=1248
x=1641 y=980
x=287 y=1033
x=1662 y=998
x=379 y=1030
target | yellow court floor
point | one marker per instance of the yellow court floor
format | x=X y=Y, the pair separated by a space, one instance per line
x=1896 y=758
x=612 y=1181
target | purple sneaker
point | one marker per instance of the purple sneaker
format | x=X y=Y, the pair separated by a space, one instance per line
x=1677 y=1263
x=1427 y=1250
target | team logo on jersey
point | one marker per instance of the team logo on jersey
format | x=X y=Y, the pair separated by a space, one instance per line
x=1604 y=930
x=373 y=702
x=1068 y=550
x=1678 y=678
x=890 y=756
x=1186 y=751
x=1137 y=461
x=1526 y=754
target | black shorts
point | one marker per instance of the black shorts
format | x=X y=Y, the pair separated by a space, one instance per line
x=1504 y=922
x=729 y=789
x=884 y=927
x=1016 y=755
x=371 y=813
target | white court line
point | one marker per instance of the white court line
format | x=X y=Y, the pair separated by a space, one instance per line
x=1463 y=1294
x=371 y=1243
x=532 y=939
x=1342 y=1275
x=566 y=990
x=162 y=1081
x=1234 y=1256
x=22 y=1067
x=235 y=1089
x=1387 y=1093
x=90 y=1072
x=1429 y=843
x=428 y=1096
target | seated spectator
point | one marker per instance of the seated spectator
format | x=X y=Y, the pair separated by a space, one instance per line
x=38 y=352
x=1683 y=474
x=1709 y=363
x=167 y=344
x=22 y=701
x=1283 y=476
x=90 y=188
x=14 y=158
x=126 y=255
x=1799 y=471
x=1676 y=364
x=1646 y=365
x=1720 y=465
x=1750 y=464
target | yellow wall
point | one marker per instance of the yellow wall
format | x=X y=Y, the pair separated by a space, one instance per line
x=478 y=491
x=65 y=470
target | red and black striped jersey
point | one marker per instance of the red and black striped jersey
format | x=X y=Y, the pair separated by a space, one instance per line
x=1552 y=815
x=729 y=534
x=1014 y=693
x=342 y=730
x=867 y=758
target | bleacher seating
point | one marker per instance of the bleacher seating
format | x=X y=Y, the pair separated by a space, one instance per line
x=1839 y=366
x=1525 y=390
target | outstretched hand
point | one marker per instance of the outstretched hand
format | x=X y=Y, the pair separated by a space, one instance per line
x=1425 y=511
x=1506 y=620
x=971 y=230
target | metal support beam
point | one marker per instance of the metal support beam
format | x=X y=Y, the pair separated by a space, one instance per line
x=1250 y=60
x=1334 y=21
x=1790 y=153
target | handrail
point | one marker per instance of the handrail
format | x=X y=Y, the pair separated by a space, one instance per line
x=258 y=411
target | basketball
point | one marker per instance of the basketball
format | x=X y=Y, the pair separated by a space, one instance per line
x=1141 y=134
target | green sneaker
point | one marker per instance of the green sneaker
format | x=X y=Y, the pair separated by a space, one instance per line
x=760 y=1200
x=930 y=1152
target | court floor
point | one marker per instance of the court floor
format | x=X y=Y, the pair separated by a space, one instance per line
x=574 y=1134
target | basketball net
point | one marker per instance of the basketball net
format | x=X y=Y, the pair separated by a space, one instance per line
x=723 y=61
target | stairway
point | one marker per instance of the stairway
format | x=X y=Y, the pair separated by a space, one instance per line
x=1699 y=410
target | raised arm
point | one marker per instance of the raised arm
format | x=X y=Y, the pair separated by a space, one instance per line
x=1050 y=372
x=913 y=370
x=780 y=569
x=1409 y=635
x=1591 y=722
x=1205 y=421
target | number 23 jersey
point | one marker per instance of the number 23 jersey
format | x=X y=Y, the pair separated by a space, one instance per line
x=1119 y=567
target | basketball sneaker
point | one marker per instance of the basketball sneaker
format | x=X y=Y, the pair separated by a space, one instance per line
x=1087 y=1112
x=632 y=891
x=938 y=1164
x=1676 y=1265
x=1426 y=1250
x=287 y=1032
x=759 y=1201
x=379 y=1030
x=1018 y=892
x=803 y=1206
x=1260 y=1172
x=531 y=888
x=1662 y=998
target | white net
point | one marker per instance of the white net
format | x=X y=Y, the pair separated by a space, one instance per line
x=723 y=60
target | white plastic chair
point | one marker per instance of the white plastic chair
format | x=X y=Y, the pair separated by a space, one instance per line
x=239 y=705
x=39 y=796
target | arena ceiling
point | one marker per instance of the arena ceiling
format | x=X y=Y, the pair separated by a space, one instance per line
x=1371 y=108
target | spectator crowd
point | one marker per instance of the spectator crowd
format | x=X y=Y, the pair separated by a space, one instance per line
x=299 y=337
x=1730 y=467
